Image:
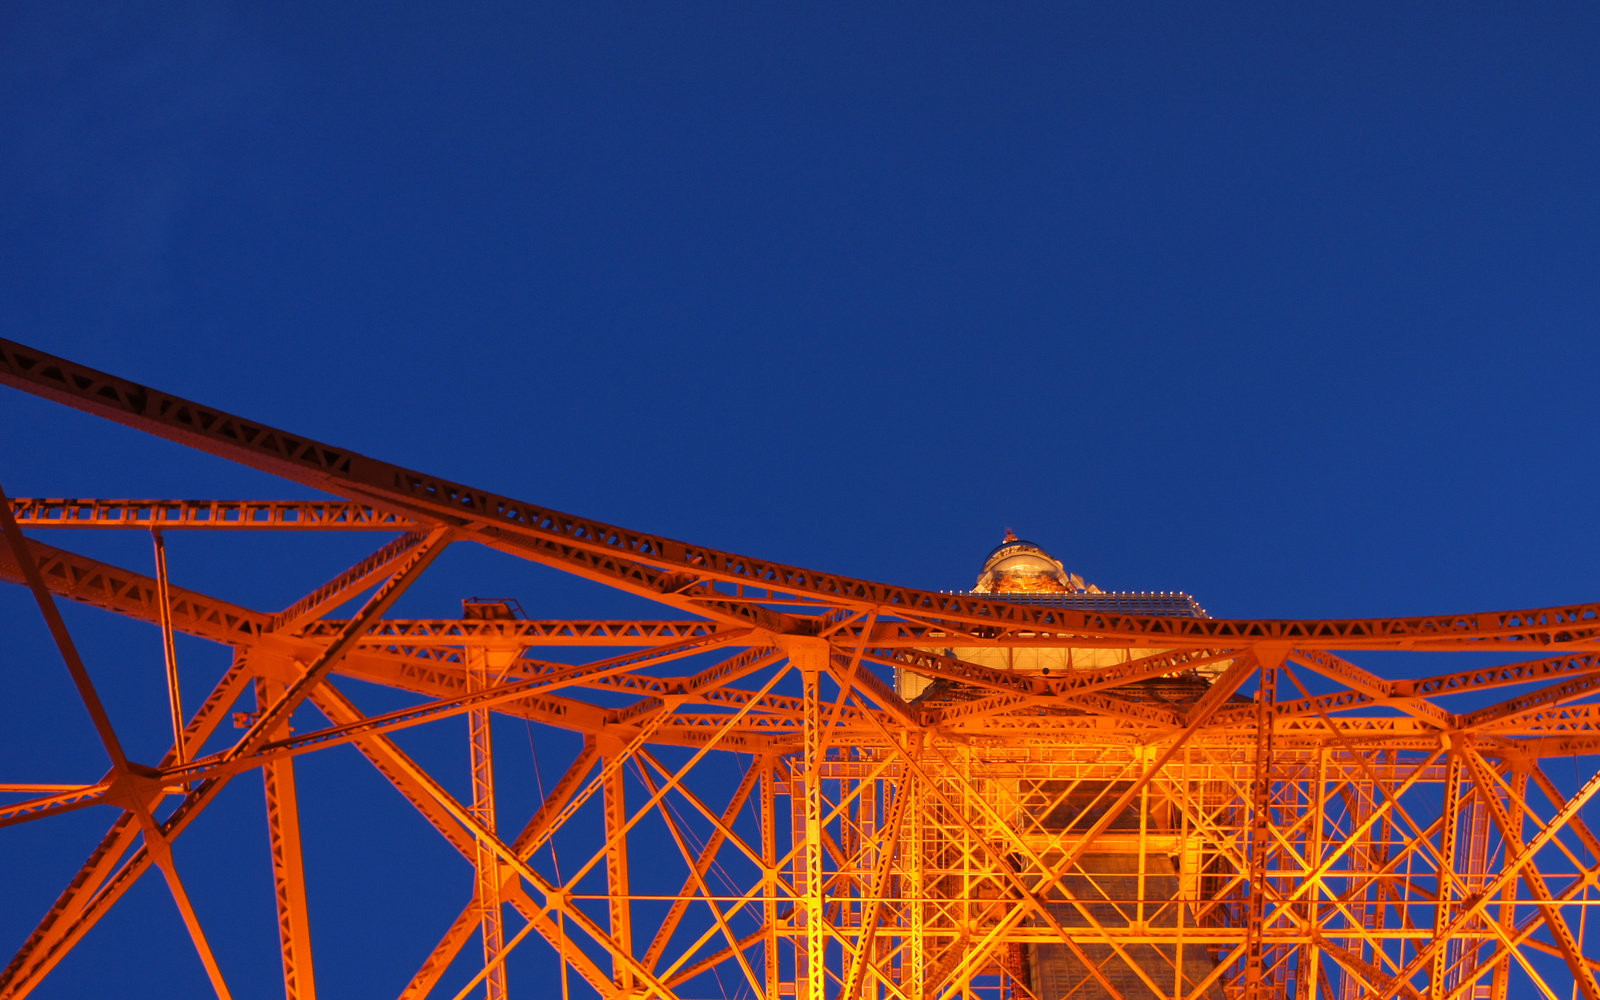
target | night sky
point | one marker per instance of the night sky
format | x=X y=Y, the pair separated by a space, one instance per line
x=1288 y=306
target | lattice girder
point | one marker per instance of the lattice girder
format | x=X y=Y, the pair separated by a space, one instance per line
x=1230 y=808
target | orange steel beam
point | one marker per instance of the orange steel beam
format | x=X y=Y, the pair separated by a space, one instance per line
x=1514 y=936
x=486 y=868
x=688 y=573
x=134 y=595
x=169 y=651
x=1383 y=692
x=810 y=657
x=1438 y=976
x=128 y=783
x=617 y=827
x=236 y=515
x=342 y=588
x=952 y=668
x=896 y=849
x=522 y=633
x=889 y=633
x=424 y=793
x=1260 y=827
x=450 y=944
x=702 y=863
x=1510 y=872
x=288 y=864
x=250 y=753
x=697 y=886
x=90 y=581
x=1030 y=894
x=405 y=572
x=159 y=847
x=18 y=545
x=157 y=837
x=1573 y=664
x=407 y=777
x=554 y=898
x=1569 y=946
x=62 y=927
x=1528 y=704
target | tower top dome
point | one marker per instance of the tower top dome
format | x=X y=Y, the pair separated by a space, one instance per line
x=1016 y=566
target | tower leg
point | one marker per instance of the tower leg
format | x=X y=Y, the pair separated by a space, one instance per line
x=486 y=867
x=288 y=866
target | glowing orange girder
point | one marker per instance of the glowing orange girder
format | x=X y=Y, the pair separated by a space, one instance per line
x=1367 y=836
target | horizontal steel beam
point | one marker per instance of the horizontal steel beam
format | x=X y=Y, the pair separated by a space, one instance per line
x=726 y=584
x=479 y=632
x=231 y=515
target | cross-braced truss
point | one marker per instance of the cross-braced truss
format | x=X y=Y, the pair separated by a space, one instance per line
x=1213 y=808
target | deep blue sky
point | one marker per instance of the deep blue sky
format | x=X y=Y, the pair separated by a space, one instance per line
x=1291 y=306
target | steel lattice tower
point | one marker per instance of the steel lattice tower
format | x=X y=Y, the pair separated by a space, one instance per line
x=1058 y=796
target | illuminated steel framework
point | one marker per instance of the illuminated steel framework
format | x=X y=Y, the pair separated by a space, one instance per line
x=1180 y=807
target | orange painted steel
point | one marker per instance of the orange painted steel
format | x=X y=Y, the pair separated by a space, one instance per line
x=1196 y=809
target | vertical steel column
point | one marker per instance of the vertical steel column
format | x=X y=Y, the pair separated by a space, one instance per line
x=1500 y=986
x=799 y=866
x=486 y=866
x=914 y=855
x=769 y=870
x=1385 y=833
x=1475 y=875
x=810 y=657
x=288 y=864
x=1554 y=920
x=1145 y=756
x=618 y=883
x=1361 y=797
x=169 y=649
x=1260 y=830
x=845 y=886
x=1444 y=911
x=887 y=885
x=1189 y=860
x=1310 y=954
x=81 y=905
x=1294 y=798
